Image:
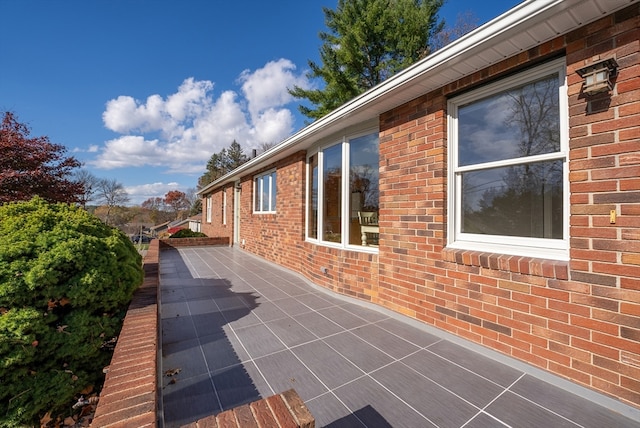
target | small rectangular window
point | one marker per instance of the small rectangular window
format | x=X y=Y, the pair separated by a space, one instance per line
x=208 y=202
x=224 y=206
x=265 y=193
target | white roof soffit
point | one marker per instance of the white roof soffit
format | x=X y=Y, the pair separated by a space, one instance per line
x=523 y=27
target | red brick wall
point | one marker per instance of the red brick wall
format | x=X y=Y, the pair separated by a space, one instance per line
x=280 y=237
x=216 y=228
x=579 y=319
x=192 y=242
x=277 y=237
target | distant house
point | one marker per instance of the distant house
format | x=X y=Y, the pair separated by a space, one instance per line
x=192 y=223
x=195 y=223
x=490 y=190
x=159 y=229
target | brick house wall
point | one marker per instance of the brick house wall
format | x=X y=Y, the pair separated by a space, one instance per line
x=278 y=237
x=216 y=227
x=578 y=319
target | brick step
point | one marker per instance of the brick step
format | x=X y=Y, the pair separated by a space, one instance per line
x=284 y=410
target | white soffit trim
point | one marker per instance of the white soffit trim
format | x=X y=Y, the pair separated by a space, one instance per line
x=523 y=27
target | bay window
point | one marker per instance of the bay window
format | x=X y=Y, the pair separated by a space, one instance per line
x=342 y=192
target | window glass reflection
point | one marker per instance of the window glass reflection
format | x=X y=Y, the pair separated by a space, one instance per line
x=523 y=200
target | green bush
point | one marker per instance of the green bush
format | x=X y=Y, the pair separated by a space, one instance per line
x=65 y=281
x=188 y=233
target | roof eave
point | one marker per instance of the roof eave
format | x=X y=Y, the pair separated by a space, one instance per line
x=525 y=26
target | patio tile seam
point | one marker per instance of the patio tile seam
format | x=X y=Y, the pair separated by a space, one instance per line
x=482 y=412
x=502 y=389
x=389 y=391
x=553 y=412
x=426 y=348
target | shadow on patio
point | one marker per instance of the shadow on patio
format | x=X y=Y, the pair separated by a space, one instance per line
x=240 y=328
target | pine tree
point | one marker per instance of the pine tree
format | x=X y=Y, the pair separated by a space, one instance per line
x=226 y=160
x=367 y=42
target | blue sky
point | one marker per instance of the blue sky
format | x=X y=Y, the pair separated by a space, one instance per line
x=145 y=91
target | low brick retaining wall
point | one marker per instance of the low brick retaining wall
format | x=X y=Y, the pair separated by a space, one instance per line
x=192 y=242
x=129 y=397
x=130 y=394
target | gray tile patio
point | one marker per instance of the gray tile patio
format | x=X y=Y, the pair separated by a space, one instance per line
x=238 y=329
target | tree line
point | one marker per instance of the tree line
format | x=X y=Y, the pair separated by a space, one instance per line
x=34 y=166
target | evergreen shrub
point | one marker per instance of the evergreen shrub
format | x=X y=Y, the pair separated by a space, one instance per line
x=188 y=233
x=66 y=279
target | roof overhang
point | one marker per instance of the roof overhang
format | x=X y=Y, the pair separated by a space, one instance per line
x=523 y=27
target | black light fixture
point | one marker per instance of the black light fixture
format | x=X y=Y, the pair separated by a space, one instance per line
x=598 y=76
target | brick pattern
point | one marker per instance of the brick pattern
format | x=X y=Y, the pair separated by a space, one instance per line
x=192 y=242
x=129 y=395
x=277 y=237
x=217 y=227
x=281 y=410
x=578 y=319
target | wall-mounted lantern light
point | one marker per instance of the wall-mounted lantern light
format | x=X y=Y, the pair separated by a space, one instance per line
x=598 y=76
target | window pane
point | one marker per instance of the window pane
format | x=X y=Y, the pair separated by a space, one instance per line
x=273 y=191
x=363 y=187
x=332 y=186
x=264 y=189
x=312 y=232
x=523 y=121
x=522 y=200
x=256 y=193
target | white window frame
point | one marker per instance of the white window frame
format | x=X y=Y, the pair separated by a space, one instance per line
x=557 y=249
x=224 y=206
x=259 y=182
x=345 y=212
x=208 y=201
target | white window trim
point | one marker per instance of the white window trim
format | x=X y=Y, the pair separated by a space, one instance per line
x=258 y=191
x=345 y=209
x=208 y=201
x=556 y=249
x=224 y=206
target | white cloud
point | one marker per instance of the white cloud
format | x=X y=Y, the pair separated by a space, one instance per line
x=182 y=131
x=93 y=148
x=267 y=87
x=139 y=194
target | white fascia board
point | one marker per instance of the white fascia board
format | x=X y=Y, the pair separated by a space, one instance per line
x=528 y=15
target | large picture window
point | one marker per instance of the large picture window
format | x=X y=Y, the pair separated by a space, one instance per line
x=312 y=195
x=265 y=193
x=508 y=187
x=343 y=195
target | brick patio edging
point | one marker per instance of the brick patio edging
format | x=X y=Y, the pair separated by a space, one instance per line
x=192 y=242
x=129 y=396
